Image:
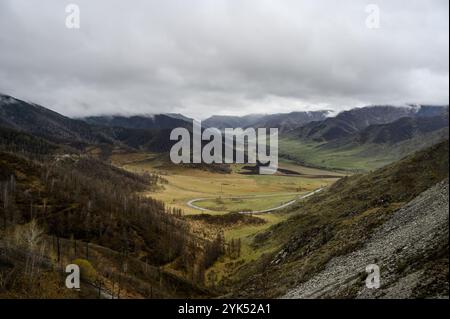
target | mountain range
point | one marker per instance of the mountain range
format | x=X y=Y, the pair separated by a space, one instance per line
x=144 y=122
x=135 y=132
x=355 y=121
x=366 y=138
x=374 y=131
x=283 y=121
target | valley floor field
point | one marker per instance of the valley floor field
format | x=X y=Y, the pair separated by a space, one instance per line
x=247 y=204
x=185 y=184
x=243 y=204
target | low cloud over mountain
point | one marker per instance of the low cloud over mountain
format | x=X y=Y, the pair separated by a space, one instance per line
x=223 y=57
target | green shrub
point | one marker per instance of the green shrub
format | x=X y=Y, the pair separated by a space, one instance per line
x=87 y=271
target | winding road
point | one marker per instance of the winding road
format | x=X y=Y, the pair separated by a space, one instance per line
x=192 y=202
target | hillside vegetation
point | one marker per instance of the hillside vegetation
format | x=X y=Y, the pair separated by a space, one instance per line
x=338 y=221
x=367 y=138
x=76 y=207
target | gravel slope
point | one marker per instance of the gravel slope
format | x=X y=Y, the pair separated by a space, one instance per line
x=411 y=249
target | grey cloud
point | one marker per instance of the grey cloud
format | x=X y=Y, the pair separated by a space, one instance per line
x=203 y=57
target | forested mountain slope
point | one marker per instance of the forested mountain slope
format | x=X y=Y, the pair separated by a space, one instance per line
x=76 y=207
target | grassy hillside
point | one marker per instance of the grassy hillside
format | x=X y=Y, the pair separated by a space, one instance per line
x=316 y=154
x=337 y=221
x=353 y=155
x=366 y=139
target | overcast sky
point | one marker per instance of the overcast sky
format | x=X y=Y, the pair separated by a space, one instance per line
x=204 y=57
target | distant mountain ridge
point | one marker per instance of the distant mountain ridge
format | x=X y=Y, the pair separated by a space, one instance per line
x=350 y=122
x=283 y=121
x=33 y=119
x=354 y=121
x=157 y=121
x=432 y=110
x=38 y=120
x=359 y=140
x=401 y=129
x=226 y=121
x=290 y=121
